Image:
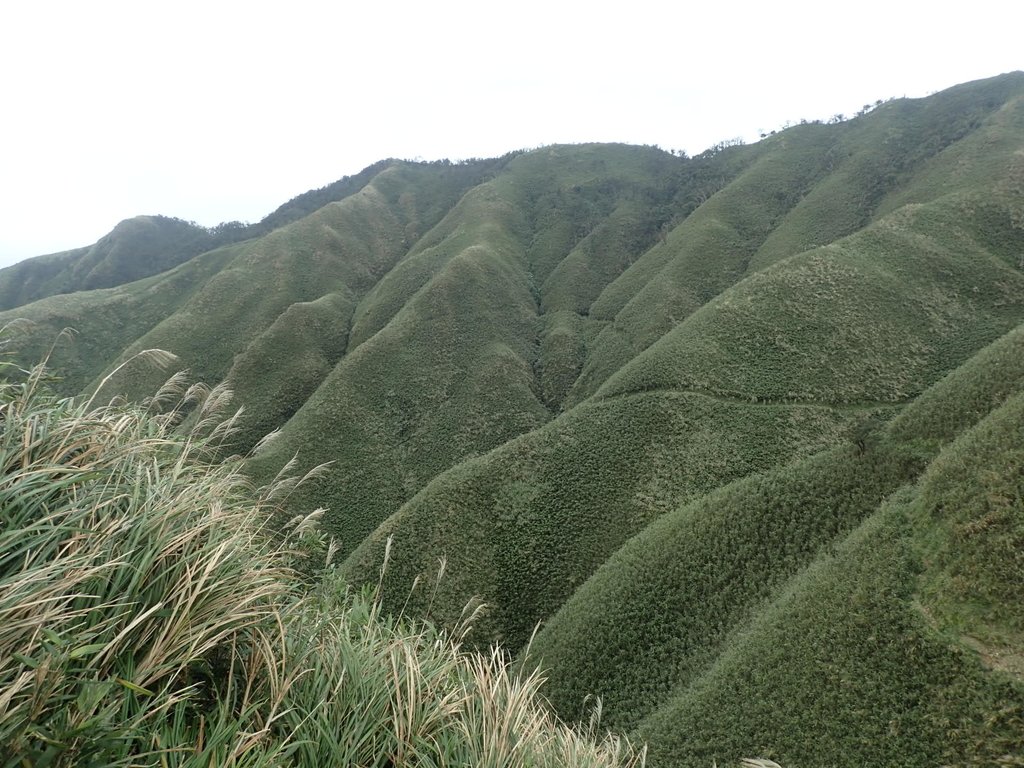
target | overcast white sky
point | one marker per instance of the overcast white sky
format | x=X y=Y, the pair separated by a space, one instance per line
x=215 y=111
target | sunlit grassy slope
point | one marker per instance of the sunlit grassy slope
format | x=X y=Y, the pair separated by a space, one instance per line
x=741 y=430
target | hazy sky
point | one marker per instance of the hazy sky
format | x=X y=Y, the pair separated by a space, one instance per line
x=216 y=111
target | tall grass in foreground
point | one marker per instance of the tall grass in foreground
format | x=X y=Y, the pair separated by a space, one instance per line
x=147 y=618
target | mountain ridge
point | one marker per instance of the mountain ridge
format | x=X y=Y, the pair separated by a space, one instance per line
x=659 y=405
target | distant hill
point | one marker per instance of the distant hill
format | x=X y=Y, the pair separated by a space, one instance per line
x=742 y=432
x=135 y=248
x=148 y=245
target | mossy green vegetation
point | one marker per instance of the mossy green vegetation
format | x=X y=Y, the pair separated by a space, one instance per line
x=148 y=245
x=664 y=605
x=968 y=394
x=841 y=669
x=702 y=256
x=666 y=406
x=970 y=518
x=106 y=321
x=525 y=525
x=875 y=317
x=343 y=247
x=897 y=644
x=134 y=249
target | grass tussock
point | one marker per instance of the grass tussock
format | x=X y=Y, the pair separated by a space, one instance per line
x=147 y=618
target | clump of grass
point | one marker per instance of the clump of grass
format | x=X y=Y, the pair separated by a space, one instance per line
x=379 y=691
x=147 y=617
x=135 y=581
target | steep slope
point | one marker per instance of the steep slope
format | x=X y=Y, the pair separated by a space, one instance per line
x=918 y=661
x=904 y=151
x=969 y=520
x=443 y=350
x=523 y=526
x=134 y=249
x=876 y=316
x=209 y=309
x=344 y=247
x=705 y=254
x=107 y=320
x=806 y=187
x=147 y=245
x=841 y=669
x=664 y=606
x=672 y=408
x=966 y=395
x=842 y=330
x=720 y=604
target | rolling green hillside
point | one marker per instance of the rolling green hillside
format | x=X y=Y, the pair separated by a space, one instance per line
x=908 y=633
x=147 y=245
x=443 y=360
x=134 y=249
x=873 y=317
x=741 y=432
x=731 y=616
x=526 y=524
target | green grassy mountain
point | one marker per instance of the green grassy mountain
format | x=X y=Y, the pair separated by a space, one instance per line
x=134 y=249
x=742 y=432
